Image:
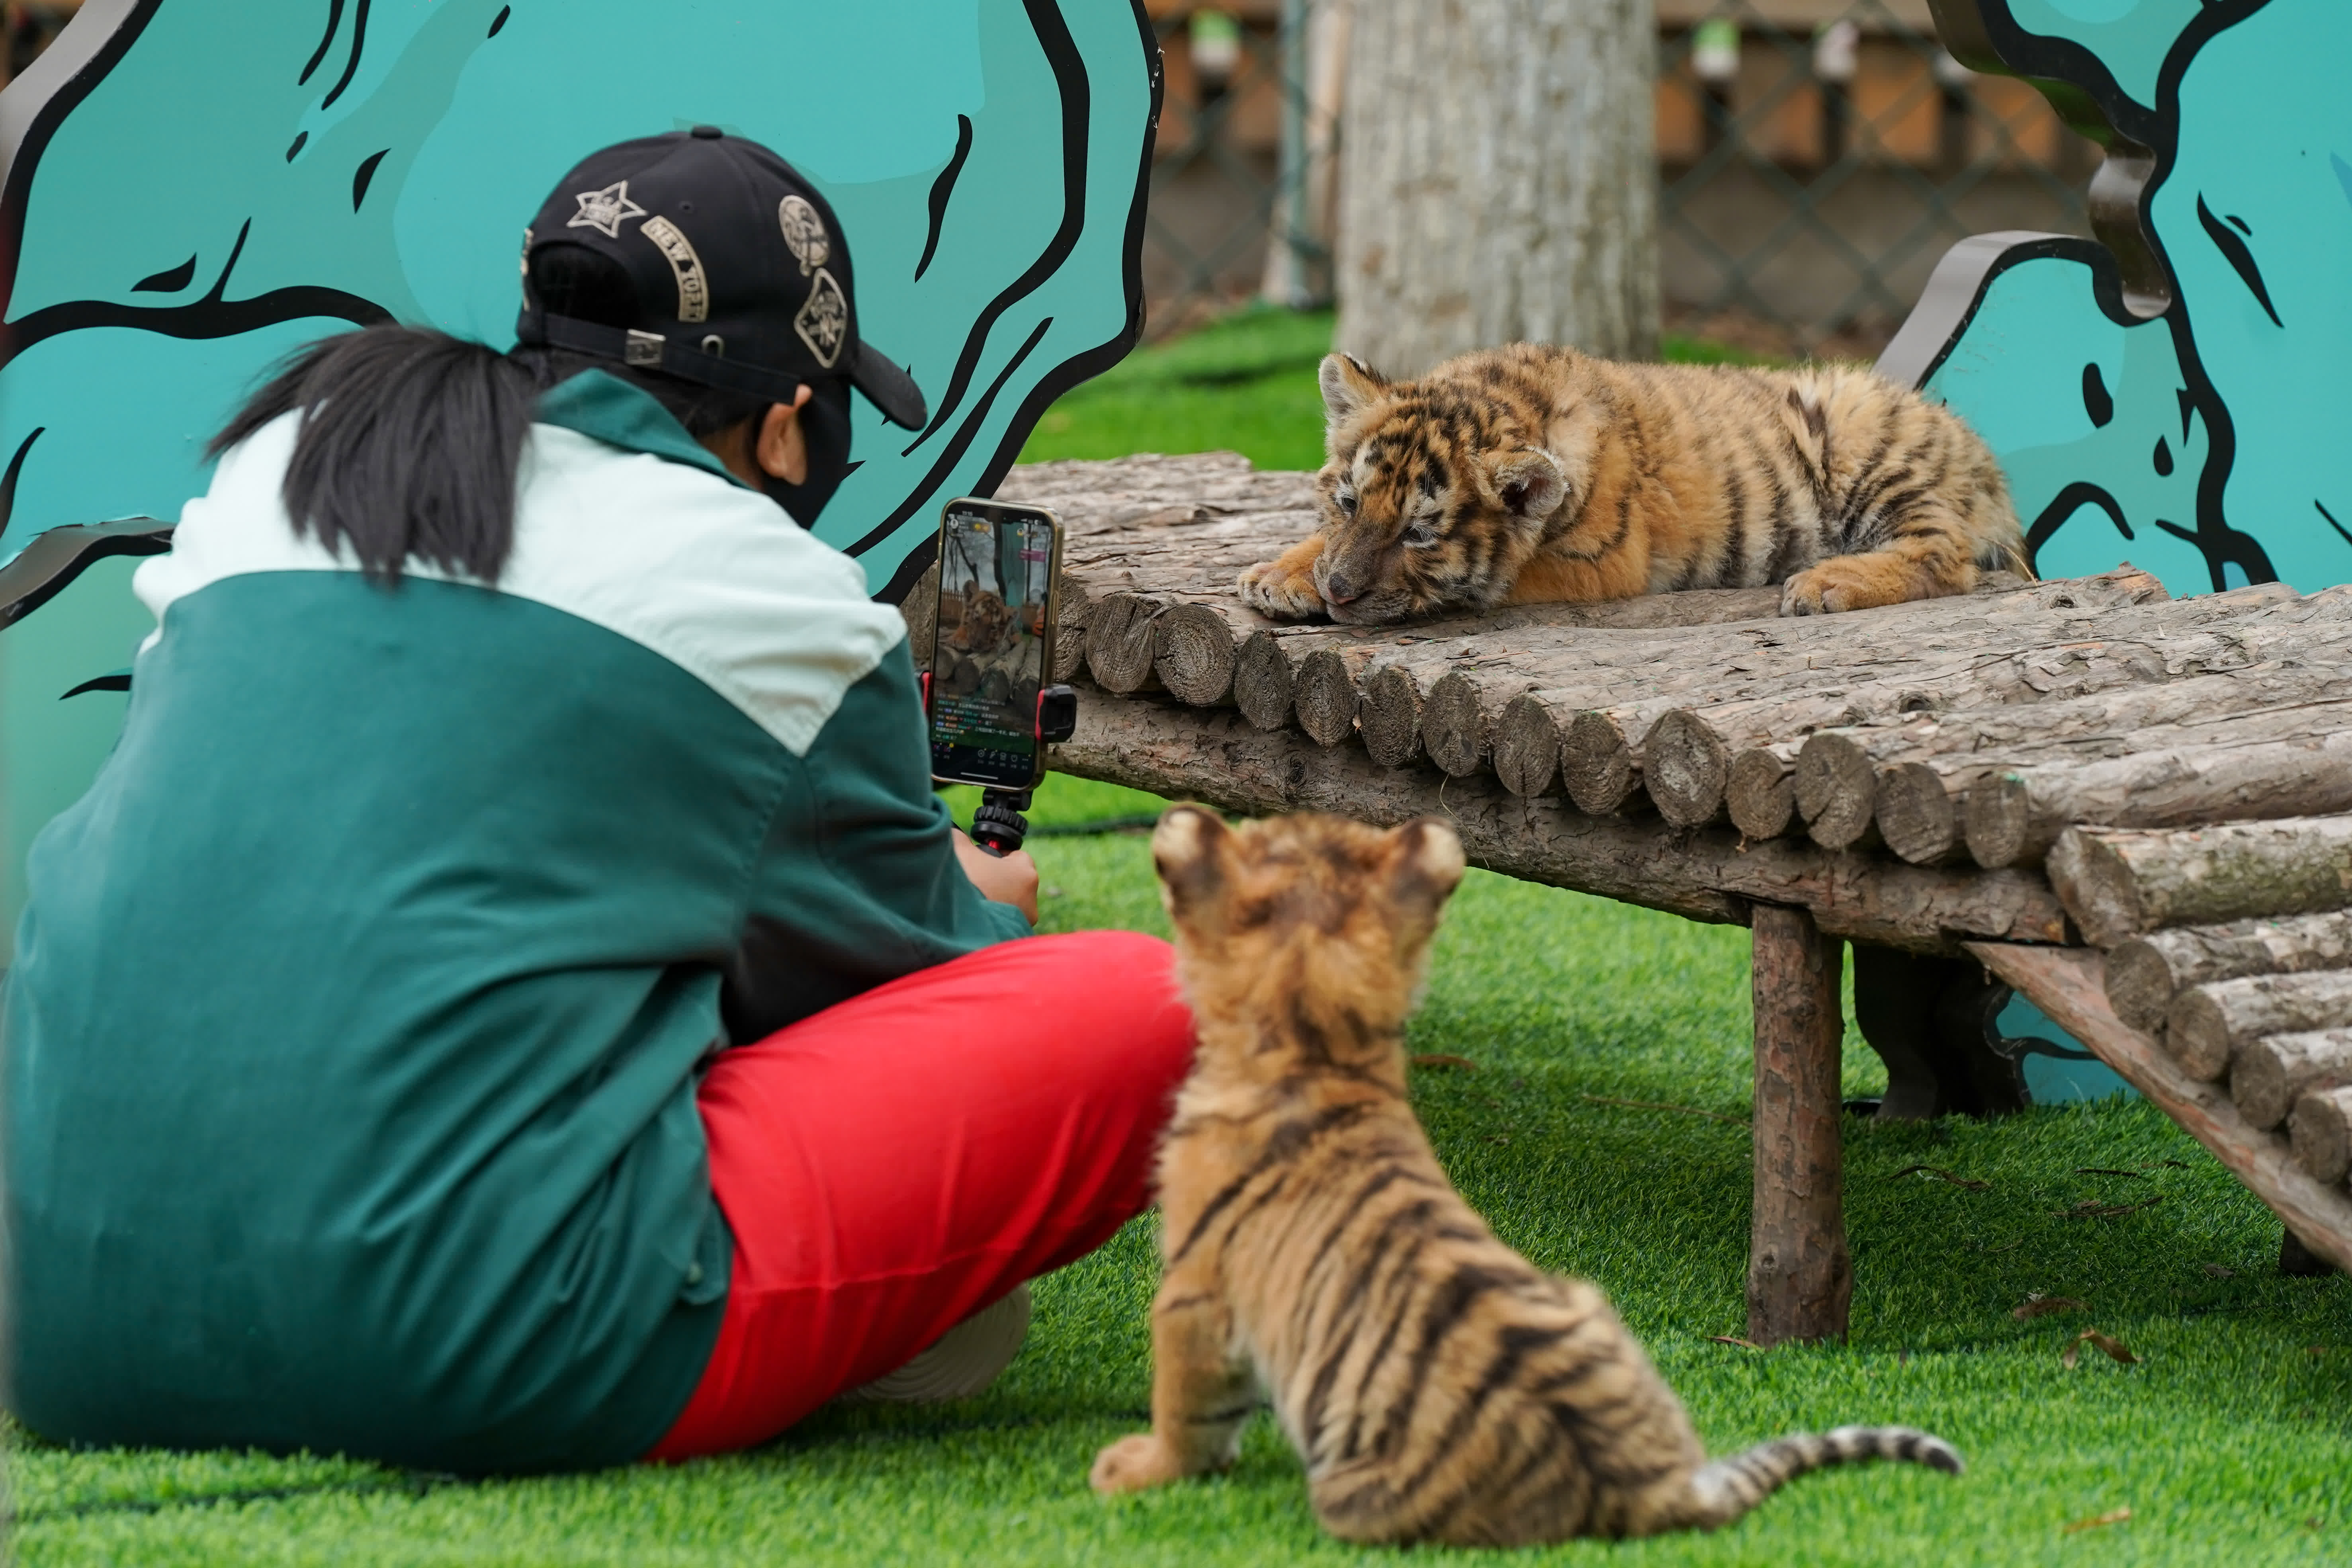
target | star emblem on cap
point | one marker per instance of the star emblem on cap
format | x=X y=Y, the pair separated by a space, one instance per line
x=603 y=210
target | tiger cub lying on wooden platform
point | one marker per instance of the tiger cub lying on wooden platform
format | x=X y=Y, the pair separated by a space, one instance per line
x=1532 y=475
x=1438 y=1386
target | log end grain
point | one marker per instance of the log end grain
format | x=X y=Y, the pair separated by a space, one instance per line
x=2319 y=1130
x=1325 y=698
x=1263 y=680
x=2267 y=1076
x=1119 y=642
x=2197 y=1033
x=2096 y=886
x=1193 y=653
x=1390 y=716
x=922 y=609
x=1596 y=763
x=1837 y=789
x=1760 y=794
x=1915 y=813
x=1527 y=746
x=1453 y=727
x=1686 y=767
x=2140 y=984
x=1997 y=817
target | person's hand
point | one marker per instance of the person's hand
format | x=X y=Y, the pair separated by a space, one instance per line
x=1007 y=879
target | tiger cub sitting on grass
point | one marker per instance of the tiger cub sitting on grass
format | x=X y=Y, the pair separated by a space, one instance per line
x=1531 y=475
x=1438 y=1386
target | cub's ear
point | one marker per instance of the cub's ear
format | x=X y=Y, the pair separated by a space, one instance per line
x=1188 y=850
x=1530 y=482
x=1425 y=864
x=1348 y=385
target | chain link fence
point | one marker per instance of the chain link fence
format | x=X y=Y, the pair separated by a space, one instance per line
x=1243 y=178
x=1815 y=159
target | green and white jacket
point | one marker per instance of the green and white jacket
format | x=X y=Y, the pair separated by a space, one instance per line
x=352 y=1040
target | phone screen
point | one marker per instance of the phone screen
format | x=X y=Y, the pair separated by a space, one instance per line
x=991 y=644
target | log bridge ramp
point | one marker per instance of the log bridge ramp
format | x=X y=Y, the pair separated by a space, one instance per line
x=2133 y=809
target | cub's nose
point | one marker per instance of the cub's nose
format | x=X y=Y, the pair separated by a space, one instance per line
x=1338 y=590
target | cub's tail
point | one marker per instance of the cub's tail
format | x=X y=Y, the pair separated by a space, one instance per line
x=1722 y=1492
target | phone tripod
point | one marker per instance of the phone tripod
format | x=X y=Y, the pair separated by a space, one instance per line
x=998 y=826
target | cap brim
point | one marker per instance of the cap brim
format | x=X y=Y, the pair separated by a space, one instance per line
x=891 y=389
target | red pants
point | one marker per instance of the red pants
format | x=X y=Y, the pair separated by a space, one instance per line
x=895 y=1164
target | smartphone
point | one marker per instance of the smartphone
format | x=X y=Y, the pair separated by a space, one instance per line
x=992 y=643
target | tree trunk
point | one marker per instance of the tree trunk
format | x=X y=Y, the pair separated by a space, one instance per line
x=1498 y=176
x=2144 y=973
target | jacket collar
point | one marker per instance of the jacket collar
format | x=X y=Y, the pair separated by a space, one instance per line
x=610 y=410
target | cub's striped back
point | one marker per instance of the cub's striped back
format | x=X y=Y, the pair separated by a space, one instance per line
x=1438 y=1386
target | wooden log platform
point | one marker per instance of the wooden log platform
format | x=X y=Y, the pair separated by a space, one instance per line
x=2011 y=771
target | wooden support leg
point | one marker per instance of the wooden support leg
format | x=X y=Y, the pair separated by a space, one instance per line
x=1799 y=1279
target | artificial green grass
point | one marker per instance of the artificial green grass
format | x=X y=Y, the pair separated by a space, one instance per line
x=2229 y=1440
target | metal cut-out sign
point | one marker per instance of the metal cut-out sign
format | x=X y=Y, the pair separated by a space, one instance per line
x=196 y=188
x=2175 y=396
x=192 y=190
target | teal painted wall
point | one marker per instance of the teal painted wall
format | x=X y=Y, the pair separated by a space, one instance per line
x=198 y=211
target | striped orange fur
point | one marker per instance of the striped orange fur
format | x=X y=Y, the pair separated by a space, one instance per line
x=1438 y=1386
x=1535 y=474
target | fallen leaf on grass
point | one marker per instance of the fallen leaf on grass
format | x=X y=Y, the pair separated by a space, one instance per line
x=1734 y=1340
x=2116 y=1350
x=2042 y=1306
x=2218 y=1272
x=1942 y=1175
x=2112 y=1516
x=1653 y=1105
x=1440 y=1059
x=2092 y=1208
x=2314 y=1349
x=2107 y=1170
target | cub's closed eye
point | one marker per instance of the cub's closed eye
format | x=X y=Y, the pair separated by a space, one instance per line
x=1346 y=501
x=1420 y=535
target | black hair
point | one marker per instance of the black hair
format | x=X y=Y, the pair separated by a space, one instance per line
x=411 y=439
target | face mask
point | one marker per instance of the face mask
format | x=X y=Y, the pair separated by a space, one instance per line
x=824 y=429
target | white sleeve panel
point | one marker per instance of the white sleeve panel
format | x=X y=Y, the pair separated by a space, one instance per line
x=716 y=579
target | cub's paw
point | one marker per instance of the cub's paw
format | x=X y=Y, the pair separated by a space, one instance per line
x=1132 y=1464
x=1276 y=588
x=1847 y=582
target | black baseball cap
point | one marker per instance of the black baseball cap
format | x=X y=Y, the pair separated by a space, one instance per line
x=739 y=270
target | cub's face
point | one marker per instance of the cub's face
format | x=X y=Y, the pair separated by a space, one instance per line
x=1315 y=920
x=1433 y=498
